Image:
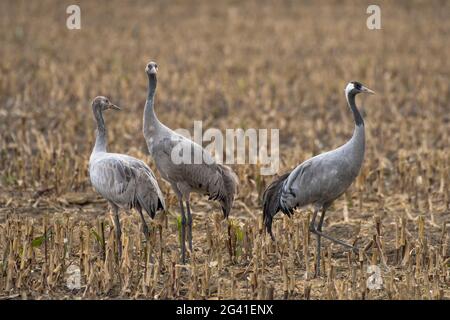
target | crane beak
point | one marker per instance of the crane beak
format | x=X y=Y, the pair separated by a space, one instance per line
x=113 y=106
x=367 y=90
x=153 y=70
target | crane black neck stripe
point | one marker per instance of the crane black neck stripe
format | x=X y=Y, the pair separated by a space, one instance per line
x=359 y=121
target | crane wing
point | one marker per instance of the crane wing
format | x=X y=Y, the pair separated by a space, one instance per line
x=207 y=177
x=111 y=177
x=125 y=180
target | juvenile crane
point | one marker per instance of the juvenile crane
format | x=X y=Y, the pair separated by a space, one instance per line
x=124 y=181
x=207 y=177
x=319 y=180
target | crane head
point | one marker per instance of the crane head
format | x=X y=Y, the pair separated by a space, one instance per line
x=151 y=68
x=103 y=103
x=355 y=87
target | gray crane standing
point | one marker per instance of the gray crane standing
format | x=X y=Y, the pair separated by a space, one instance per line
x=319 y=180
x=124 y=181
x=215 y=180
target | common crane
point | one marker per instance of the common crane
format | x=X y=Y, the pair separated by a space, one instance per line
x=319 y=180
x=215 y=180
x=124 y=181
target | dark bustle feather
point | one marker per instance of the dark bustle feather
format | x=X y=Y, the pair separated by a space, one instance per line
x=230 y=182
x=271 y=202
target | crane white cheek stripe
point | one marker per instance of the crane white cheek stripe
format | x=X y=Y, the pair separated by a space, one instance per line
x=233 y=144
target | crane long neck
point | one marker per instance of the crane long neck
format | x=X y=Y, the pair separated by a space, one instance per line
x=356 y=115
x=151 y=122
x=357 y=142
x=100 y=140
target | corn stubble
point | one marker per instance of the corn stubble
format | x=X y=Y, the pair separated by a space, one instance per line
x=53 y=227
x=34 y=266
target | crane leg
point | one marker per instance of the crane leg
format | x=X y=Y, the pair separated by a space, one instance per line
x=319 y=247
x=318 y=232
x=312 y=224
x=144 y=226
x=346 y=245
x=314 y=229
x=183 y=232
x=118 y=231
x=189 y=223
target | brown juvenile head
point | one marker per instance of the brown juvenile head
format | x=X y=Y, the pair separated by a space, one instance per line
x=102 y=103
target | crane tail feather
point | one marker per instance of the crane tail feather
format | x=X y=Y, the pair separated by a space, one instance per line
x=140 y=202
x=230 y=182
x=271 y=202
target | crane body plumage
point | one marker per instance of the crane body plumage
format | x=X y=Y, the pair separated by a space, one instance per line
x=321 y=179
x=325 y=177
x=207 y=177
x=126 y=182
